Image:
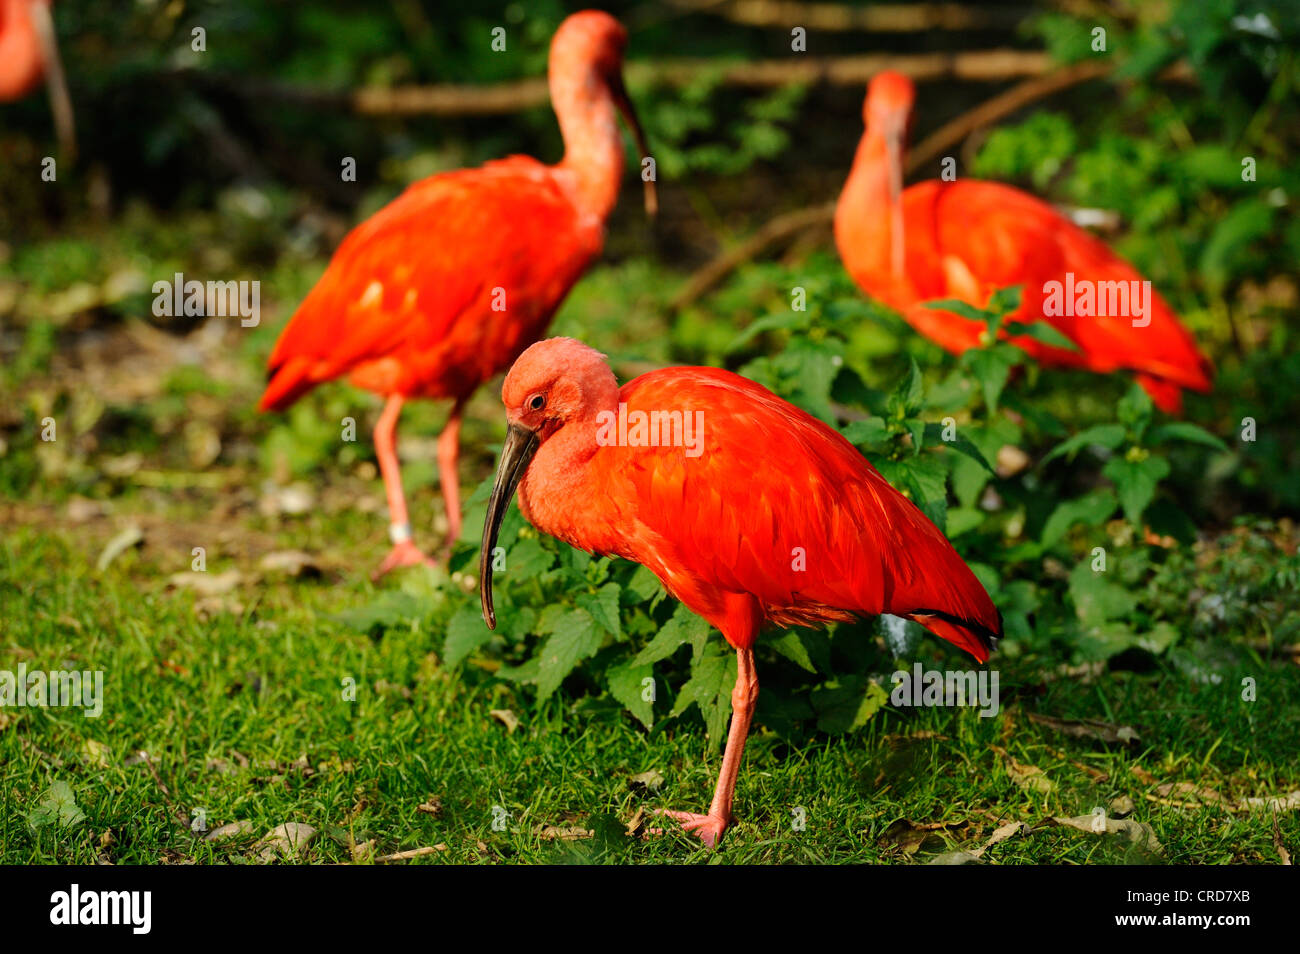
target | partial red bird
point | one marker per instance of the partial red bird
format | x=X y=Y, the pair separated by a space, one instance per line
x=445 y=286
x=748 y=510
x=966 y=238
x=28 y=53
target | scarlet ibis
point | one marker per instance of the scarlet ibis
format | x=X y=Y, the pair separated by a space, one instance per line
x=762 y=514
x=966 y=238
x=28 y=51
x=445 y=286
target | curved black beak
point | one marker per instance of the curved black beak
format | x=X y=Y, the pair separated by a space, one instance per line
x=624 y=104
x=520 y=446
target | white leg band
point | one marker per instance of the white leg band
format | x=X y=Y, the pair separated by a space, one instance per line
x=399 y=533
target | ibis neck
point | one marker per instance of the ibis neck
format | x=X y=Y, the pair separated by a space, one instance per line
x=868 y=216
x=593 y=148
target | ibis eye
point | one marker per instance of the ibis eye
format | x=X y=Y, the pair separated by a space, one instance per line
x=537 y=402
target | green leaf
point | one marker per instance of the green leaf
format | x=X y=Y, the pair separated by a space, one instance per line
x=960 y=443
x=603 y=607
x=1096 y=599
x=958 y=307
x=907 y=399
x=792 y=648
x=684 y=627
x=57 y=807
x=847 y=704
x=871 y=432
x=575 y=637
x=776 y=321
x=1134 y=410
x=1135 y=482
x=712 y=677
x=466 y=632
x=1186 y=431
x=625 y=685
x=1107 y=435
x=1041 y=331
x=528 y=559
x=991 y=366
x=1090 y=509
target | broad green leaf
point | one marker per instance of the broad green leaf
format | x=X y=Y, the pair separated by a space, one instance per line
x=960 y=443
x=792 y=648
x=958 y=307
x=1097 y=599
x=991 y=366
x=575 y=637
x=626 y=685
x=527 y=560
x=603 y=607
x=466 y=632
x=871 y=432
x=1041 y=331
x=847 y=703
x=776 y=321
x=1106 y=435
x=907 y=398
x=684 y=627
x=1135 y=482
x=1134 y=410
x=1090 y=509
x=57 y=807
x=1186 y=431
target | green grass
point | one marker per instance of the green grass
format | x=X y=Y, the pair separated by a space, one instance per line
x=227 y=706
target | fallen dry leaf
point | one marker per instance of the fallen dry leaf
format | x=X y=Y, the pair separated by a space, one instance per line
x=132 y=536
x=288 y=839
x=1028 y=777
x=562 y=832
x=206 y=584
x=290 y=563
x=1087 y=728
x=506 y=718
x=232 y=830
x=1286 y=803
x=1139 y=833
x=648 y=781
x=431 y=807
x=908 y=836
x=1185 y=795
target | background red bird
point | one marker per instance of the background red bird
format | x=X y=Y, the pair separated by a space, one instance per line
x=446 y=285
x=966 y=238
x=772 y=518
x=28 y=53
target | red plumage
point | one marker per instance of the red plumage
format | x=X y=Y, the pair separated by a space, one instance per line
x=406 y=305
x=446 y=285
x=757 y=514
x=966 y=238
x=778 y=520
x=22 y=61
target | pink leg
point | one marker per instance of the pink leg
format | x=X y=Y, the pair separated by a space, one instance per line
x=710 y=827
x=404 y=552
x=448 y=454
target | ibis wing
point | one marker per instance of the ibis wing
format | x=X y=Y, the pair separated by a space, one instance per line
x=996 y=236
x=778 y=505
x=452 y=278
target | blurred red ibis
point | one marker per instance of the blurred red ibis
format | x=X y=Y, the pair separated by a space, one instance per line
x=747 y=509
x=445 y=286
x=28 y=52
x=966 y=238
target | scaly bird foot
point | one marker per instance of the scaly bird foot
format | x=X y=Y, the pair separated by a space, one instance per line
x=405 y=553
x=708 y=827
